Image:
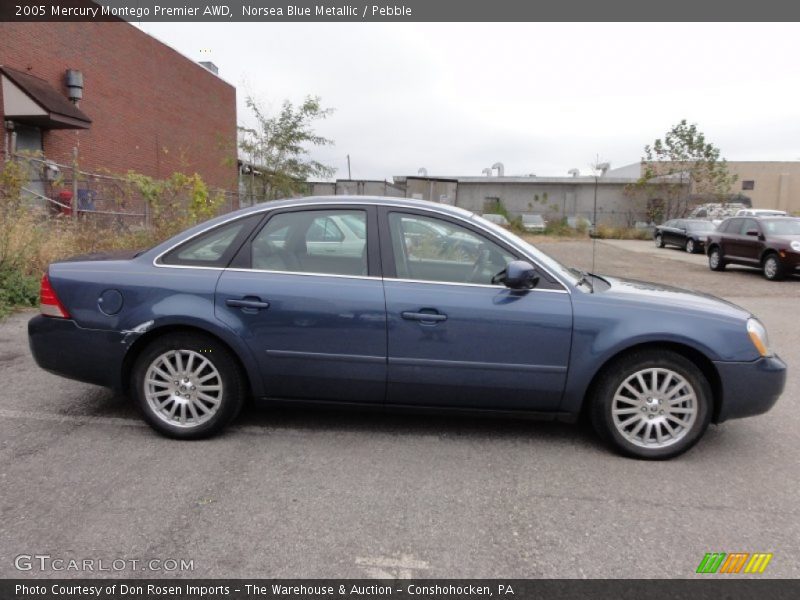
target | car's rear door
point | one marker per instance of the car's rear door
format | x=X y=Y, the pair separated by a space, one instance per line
x=310 y=305
x=457 y=340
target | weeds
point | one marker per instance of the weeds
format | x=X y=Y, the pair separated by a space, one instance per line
x=30 y=238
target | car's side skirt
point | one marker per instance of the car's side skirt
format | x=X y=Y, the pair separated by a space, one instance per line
x=563 y=417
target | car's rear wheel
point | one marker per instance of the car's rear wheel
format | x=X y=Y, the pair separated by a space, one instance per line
x=652 y=404
x=187 y=385
x=691 y=247
x=773 y=269
x=659 y=241
x=715 y=262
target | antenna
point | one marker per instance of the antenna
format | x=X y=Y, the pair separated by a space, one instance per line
x=594 y=227
x=600 y=169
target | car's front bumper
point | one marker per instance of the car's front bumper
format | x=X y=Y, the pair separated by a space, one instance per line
x=66 y=349
x=749 y=388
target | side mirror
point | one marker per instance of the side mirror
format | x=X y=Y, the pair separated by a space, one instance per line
x=518 y=275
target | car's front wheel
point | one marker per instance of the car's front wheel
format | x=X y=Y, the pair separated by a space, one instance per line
x=187 y=385
x=652 y=404
x=773 y=269
x=659 y=241
x=691 y=247
x=715 y=262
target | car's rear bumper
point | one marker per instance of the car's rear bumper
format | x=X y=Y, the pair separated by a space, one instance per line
x=62 y=347
x=750 y=388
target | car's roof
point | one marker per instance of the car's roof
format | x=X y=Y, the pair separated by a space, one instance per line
x=375 y=200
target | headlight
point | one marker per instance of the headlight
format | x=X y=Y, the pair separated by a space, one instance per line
x=795 y=246
x=758 y=335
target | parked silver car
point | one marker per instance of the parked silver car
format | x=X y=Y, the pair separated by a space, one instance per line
x=497 y=219
x=534 y=223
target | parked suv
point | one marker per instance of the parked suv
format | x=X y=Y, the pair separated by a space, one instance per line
x=769 y=243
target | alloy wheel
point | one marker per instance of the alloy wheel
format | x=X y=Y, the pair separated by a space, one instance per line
x=183 y=388
x=654 y=408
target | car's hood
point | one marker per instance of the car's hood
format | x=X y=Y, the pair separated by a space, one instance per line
x=671 y=297
x=785 y=238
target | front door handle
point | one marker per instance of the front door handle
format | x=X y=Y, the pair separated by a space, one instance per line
x=247 y=302
x=424 y=317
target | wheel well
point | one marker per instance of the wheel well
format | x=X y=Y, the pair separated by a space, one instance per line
x=766 y=253
x=141 y=343
x=698 y=358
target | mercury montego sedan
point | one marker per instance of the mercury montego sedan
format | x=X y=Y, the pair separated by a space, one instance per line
x=274 y=302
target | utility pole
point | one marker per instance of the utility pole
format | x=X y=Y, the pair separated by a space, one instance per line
x=74 y=201
x=349 y=174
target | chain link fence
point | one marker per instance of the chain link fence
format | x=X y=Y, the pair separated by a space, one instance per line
x=112 y=202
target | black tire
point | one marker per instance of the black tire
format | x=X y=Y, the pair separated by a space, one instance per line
x=773 y=267
x=222 y=371
x=659 y=241
x=622 y=437
x=691 y=246
x=715 y=262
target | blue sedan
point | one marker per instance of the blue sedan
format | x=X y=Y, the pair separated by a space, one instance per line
x=397 y=303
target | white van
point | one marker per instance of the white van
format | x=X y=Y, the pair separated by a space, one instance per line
x=760 y=212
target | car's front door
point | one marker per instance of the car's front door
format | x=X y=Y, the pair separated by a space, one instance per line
x=741 y=245
x=751 y=242
x=310 y=304
x=456 y=339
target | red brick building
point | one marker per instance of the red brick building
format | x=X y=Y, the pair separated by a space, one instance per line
x=145 y=107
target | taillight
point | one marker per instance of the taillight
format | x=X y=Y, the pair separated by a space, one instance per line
x=49 y=303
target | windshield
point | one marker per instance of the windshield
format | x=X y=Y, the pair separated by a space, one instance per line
x=553 y=265
x=700 y=226
x=782 y=226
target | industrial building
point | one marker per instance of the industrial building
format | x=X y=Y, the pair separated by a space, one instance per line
x=766 y=184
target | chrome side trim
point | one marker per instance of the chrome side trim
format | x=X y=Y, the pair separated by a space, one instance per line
x=479 y=285
x=239 y=270
x=333 y=202
x=468 y=364
x=364 y=358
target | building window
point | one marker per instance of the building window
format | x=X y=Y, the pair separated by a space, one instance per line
x=748 y=184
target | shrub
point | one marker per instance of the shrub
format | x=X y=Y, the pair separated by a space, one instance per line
x=30 y=238
x=622 y=233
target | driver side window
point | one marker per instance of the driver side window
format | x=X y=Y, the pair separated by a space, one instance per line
x=429 y=249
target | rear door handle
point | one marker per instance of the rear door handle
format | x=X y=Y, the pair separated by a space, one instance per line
x=424 y=317
x=247 y=302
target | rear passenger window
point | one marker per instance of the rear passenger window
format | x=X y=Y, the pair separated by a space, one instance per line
x=213 y=248
x=328 y=242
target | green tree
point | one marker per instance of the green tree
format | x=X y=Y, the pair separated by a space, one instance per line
x=681 y=169
x=278 y=147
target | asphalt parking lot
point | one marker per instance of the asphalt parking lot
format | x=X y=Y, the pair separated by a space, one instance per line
x=313 y=493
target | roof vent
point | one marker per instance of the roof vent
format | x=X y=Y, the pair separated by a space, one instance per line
x=210 y=66
x=574 y=172
x=500 y=168
x=74 y=81
x=423 y=171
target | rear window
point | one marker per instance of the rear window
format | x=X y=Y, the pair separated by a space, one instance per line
x=214 y=248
